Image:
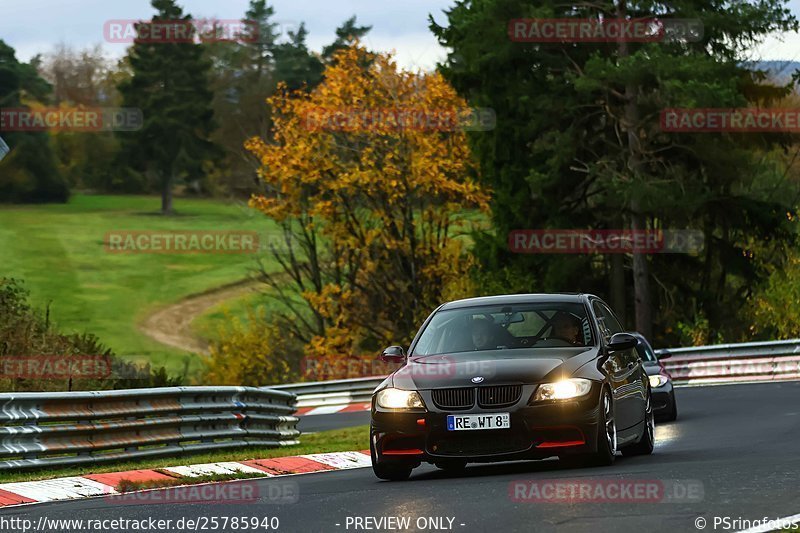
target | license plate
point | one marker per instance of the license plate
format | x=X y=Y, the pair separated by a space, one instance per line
x=476 y=422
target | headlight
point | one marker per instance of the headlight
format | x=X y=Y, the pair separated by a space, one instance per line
x=563 y=390
x=658 y=380
x=399 y=399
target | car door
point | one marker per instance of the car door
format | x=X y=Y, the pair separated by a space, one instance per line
x=624 y=369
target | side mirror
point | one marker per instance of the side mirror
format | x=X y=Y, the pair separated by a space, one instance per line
x=663 y=354
x=622 y=341
x=393 y=354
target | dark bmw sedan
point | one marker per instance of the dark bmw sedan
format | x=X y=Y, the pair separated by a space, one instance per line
x=512 y=377
x=665 y=407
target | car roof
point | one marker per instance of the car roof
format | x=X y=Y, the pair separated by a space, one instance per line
x=516 y=299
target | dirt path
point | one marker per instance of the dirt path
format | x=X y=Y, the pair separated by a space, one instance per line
x=171 y=325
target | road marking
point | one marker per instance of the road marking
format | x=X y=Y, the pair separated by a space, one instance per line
x=341 y=460
x=66 y=488
x=209 y=469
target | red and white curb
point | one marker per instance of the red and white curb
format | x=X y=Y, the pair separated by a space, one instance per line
x=91 y=485
x=330 y=409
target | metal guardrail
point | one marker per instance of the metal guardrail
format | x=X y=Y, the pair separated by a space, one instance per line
x=743 y=349
x=76 y=428
x=732 y=363
x=692 y=372
x=748 y=361
x=337 y=392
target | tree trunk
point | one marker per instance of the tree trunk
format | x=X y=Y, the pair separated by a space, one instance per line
x=618 y=285
x=641 y=281
x=641 y=274
x=166 y=194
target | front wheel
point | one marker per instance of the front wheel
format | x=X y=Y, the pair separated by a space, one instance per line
x=388 y=470
x=391 y=471
x=452 y=466
x=673 y=412
x=606 y=437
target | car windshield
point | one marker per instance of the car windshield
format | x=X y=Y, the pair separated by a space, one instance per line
x=645 y=351
x=497 y=327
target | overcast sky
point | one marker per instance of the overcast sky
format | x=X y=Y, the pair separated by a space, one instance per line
x=35 y=26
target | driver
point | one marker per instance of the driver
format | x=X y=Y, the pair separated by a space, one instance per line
x=481 y=334
x=567 y=327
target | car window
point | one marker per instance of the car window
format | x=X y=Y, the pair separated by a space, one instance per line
x=645 y=351
x=614 y=324
x=543 y=325
x=606 y=322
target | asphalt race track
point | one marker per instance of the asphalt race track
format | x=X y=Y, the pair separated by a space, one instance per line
x=738 y=444
x=316 y=423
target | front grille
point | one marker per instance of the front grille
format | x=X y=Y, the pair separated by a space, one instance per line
x=487 y=443
x=499 y=395
x=462 y=398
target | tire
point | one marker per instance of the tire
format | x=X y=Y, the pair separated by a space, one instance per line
x=606 y=437
x=389 y=470
x=648 y=439
x=673 y=411
x=452 y=467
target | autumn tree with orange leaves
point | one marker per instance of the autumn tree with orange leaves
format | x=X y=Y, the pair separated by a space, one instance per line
x=371 y=178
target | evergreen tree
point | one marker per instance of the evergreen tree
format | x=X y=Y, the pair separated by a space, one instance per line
x=242 y=78
x=260 y=37
x=578 y=144
x=169 y=83
x=295 y=65
x=346 y=34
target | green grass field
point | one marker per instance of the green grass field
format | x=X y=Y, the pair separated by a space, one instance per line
x=58 y=251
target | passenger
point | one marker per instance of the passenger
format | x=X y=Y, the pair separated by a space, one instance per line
x=482 y=334
x=567 y=327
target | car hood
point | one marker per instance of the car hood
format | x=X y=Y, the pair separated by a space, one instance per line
x=494 y=366
x=651 y=367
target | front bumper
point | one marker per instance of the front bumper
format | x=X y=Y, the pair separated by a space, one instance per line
x=536 y=432
x=663 y=399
